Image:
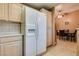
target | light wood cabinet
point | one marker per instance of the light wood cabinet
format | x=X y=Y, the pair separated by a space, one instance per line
x=3 y=11
x=15 y=12
x=11 y=12
x=11 y=49
x=11 y=46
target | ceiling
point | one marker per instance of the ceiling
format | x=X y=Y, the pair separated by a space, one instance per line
x=67 y=7
x=41 y=5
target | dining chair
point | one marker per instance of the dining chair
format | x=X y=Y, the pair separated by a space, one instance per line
x=73 y=36
x=66 y=34
x=62 y=34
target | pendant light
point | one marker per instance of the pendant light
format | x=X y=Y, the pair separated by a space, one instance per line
x=60 y=14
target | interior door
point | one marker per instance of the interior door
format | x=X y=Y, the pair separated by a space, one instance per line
x=30 y=28
x=41 y=38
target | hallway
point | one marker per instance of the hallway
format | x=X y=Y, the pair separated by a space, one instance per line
x=63 y=48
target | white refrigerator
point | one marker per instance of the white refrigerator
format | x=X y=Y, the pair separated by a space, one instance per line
x=35 y=32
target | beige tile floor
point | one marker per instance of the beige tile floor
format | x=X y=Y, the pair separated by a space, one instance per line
x=63 y=48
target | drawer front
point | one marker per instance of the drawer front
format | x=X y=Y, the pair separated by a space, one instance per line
x=10 y=39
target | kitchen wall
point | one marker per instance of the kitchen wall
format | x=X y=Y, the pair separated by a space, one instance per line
x=70 y=21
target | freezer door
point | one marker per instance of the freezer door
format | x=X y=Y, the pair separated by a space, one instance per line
x=30 y=41
x=30 y=29
x=41 y=38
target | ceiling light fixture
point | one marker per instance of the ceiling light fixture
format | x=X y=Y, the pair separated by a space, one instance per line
x=60 y=15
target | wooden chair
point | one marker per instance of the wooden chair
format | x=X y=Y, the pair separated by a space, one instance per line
x=66 y=34
x=72 y=36
x=62 y=34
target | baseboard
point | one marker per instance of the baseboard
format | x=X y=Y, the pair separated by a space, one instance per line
x=49 y=46
x=41 y=54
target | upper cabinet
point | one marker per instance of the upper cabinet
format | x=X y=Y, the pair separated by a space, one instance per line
x=15 y=12
x=3 y=11
x=11 y=12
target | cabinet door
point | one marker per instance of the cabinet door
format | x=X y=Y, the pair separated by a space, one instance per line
x=15 y=12
x=12 y=49
x=3 y=11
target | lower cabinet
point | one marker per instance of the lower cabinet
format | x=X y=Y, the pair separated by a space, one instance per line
x=11 y=48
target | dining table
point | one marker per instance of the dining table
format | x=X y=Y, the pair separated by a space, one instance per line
x=70 y=36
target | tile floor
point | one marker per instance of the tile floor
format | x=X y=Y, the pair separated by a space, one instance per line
x=63 y=48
